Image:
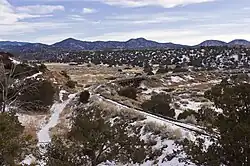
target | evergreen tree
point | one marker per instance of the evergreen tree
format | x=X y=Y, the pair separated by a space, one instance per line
x=162 y=69
x=14 y=145
x=94 y=140
x=148 y=68
x=159 y=104
x=232 y=145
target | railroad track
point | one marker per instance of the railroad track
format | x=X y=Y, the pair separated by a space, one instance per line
x=189 y=127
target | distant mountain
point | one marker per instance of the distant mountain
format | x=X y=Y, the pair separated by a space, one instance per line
x=72 y=44
x=209 y=43
x=216 y=43
x=239 y=42
x=139 y=43
x=12 y=43
x=22 y=47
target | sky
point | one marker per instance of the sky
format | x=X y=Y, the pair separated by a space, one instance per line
x=179 y=21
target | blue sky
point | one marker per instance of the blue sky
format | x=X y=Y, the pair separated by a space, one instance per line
x=179 y=21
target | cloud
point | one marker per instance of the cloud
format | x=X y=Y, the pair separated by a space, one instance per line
x=189 y=35
x=163 y=35
x=51 y=39
x=12 y=21
x=76 y=17
x=162 y=3
x=88 y=10
x=5 y=6
x=147 y=18
x=30 y=27
x=179 y=36
x=40 y=9
x=8 y=14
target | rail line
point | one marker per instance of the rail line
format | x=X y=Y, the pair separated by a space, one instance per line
x=193 y=128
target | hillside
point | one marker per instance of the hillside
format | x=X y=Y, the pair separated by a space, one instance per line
x=70 y=44
x=148 y=116
x=215 y=43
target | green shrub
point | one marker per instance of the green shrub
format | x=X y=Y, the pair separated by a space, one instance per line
x=65 y=74
x=24 y=70
x=129 y=92
x=91 y=132
x=84 y=96
x=162 y=69
x=186 y=113
x=150 y=73
x=37 y=95
x=42 y=67
x=179 y=70
x=159 y=104
x=14 y=144
x=71 y=84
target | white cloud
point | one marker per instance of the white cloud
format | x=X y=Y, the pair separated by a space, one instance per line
x=161 y=35
x=5 y=7
x=30 y=27
x=163 y=3
x=9 y=15
x=76 y=17
x=88 y=10
x=12 y=21
x=40 y=9
x=188 y=36
x=51 y=39
x=147 y=18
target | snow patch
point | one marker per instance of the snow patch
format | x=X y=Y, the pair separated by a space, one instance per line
x=176 y=79
x=189 y=77
x=192 y=105
x=56 y=109
x=28 y=160
x=14 y=61
x=34 y=75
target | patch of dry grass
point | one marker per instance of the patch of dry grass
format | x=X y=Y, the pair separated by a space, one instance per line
x=32 y=123
x=31 y=129
x=63 y=125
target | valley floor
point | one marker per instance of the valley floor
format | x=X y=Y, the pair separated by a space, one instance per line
x=186 y=89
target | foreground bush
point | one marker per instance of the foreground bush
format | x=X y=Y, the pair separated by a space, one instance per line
x=129 y=92
x=36 y=95
x=94 y=140
x=159 y=104
x=14 y=144
x=71 y=84
x=231 y=128
x=24 y=70
x=186 y=113
x=84 y=96
x=65 y=74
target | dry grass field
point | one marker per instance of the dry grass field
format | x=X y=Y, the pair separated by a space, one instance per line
x=86 y=75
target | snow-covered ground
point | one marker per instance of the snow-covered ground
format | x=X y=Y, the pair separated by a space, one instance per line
x=192 y=105
x=176 y=79
x=171 y=127
x=14 y=61
x=34 y=75
x=43 y=135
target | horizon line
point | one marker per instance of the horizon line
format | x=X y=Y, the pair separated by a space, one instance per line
x=122 y=41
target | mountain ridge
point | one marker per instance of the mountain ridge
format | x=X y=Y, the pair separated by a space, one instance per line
x=134 y=43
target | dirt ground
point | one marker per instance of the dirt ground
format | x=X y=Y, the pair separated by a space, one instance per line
x=86 y=75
